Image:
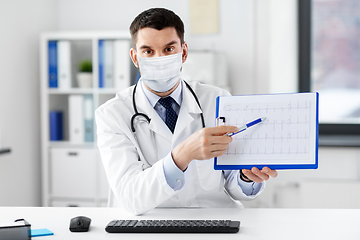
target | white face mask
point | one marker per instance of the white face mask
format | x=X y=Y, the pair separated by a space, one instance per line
x=160 y=73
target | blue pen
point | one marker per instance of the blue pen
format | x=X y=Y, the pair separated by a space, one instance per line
x=246 y=126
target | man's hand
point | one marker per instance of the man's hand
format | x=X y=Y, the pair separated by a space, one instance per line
x=259 y=176
x=204 y=144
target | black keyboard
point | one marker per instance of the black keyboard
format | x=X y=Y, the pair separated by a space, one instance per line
x=173 y=226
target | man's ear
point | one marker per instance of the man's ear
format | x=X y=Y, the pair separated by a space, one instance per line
x=185 y=52
x=134 y=57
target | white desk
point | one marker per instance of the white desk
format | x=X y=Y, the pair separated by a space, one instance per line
x=255 y=223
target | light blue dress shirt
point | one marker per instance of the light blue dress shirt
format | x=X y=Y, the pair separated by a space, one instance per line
x=174 y=176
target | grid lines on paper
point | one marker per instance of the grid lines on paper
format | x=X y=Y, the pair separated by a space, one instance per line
x=283 y=136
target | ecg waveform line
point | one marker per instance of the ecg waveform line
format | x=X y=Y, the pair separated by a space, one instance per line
x=280 y=123
x=268 y=122
x=272 y=151
x=288 y=136
x=267 y=109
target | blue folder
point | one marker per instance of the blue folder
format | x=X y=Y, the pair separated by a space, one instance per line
x=101 y=64
x=243 y=153
x=56 y=125
x=52 y=61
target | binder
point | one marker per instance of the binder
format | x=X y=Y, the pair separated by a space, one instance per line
x=64 y=64
x=88 y=118
x=108 y=64
x=56 y=125
x=76 y=119
x=52 y=61
x=121 y=64
x=287 y=139
x=101 y=63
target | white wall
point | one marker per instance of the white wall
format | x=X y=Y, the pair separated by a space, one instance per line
x=21 y=22
x=276 y=51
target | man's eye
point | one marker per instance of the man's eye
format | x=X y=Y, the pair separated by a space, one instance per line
x=169 y=49
x=147 y=52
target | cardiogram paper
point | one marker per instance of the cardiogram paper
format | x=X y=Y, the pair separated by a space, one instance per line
x=286 y=139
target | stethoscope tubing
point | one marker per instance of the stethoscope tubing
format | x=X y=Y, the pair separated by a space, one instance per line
x=137 y=114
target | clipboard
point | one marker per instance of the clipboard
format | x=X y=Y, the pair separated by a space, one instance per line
x=287 y=139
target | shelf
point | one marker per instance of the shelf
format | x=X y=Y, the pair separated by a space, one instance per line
x=81 y=91
x=86 y=35
x=80 y=199
x=5 y=150
x=106 y=91
x=71 y=91
x=67 y=144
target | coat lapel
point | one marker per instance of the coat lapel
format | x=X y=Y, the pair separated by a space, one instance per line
x=156 y=125
x=188 y=111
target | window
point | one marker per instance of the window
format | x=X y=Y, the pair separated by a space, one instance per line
x=329 y=62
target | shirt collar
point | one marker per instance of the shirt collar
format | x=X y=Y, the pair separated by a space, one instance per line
x=153 y=98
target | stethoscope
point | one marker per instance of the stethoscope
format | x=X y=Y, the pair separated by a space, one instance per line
x=137 y=114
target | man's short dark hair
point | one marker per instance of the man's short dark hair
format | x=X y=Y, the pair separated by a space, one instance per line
x=157 y=18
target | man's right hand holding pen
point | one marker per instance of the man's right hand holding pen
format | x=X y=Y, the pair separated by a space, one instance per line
x=207 y=143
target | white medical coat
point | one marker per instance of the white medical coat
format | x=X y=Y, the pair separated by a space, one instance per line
x=139 y=189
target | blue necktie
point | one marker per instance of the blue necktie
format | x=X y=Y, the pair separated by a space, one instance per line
x=171 y=116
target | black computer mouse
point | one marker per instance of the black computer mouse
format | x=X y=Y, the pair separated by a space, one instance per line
x=80 y=224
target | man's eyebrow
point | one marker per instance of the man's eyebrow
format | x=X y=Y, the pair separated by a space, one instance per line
x=170 y=43
x=144 y=47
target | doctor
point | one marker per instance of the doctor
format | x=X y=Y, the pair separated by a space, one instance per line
x=163 y=155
